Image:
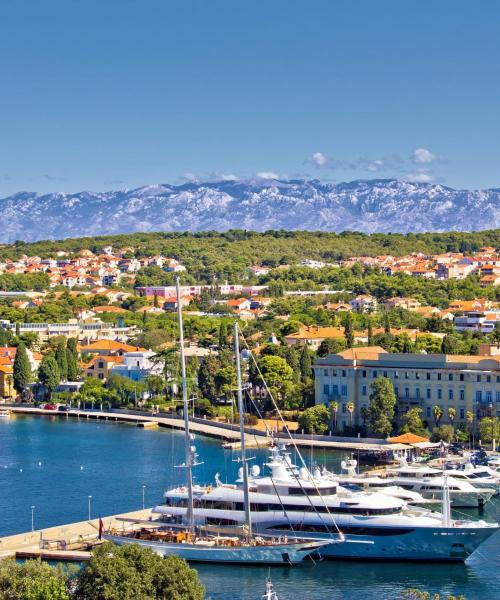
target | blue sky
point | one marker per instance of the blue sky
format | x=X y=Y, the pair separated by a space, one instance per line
x=105 y=94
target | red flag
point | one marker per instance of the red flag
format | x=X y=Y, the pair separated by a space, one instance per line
x=101 y=528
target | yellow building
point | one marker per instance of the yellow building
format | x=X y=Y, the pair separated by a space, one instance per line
x=7 y=390
x=463 y=382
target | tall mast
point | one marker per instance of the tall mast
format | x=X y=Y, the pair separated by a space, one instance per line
x=241 y=410
x=187 y=436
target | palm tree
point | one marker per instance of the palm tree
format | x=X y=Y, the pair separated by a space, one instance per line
x=452 y=413
x=469 y=417
x=350 y=410
x=334 y=407
x=437 y=413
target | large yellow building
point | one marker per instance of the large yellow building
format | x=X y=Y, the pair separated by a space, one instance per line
x=7 y=391
x=466 y=383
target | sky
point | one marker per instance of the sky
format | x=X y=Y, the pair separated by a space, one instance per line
x=111 y=94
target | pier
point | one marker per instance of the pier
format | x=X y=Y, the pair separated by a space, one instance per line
x=231 y=436
x=70 y=542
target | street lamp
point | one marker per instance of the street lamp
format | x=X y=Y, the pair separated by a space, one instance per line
x=143 y=496
x=90 y=503
x=33 y=518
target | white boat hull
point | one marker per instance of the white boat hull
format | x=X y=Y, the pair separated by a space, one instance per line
x=280 y=554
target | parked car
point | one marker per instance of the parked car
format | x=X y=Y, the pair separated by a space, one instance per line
x=64 y=408
x=50 y=406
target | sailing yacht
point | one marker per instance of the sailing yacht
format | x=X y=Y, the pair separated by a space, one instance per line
x=199 y=544
x=291 y=500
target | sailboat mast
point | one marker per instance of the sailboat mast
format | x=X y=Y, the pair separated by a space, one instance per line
x=187 y=435
x=241 y=409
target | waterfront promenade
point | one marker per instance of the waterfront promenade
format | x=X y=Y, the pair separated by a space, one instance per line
x=213 y=429
x=71 y=541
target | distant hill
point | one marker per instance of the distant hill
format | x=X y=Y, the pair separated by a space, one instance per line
x=381 y=205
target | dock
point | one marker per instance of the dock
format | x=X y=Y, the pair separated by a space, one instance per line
x=70 y=542
x=231 y=437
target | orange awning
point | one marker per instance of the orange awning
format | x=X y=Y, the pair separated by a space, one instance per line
x=407 y=438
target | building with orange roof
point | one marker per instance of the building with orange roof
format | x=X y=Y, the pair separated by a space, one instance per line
x=7 y=390
x=109 y=348
x=462 y=382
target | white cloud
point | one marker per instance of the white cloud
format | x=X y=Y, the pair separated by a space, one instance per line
x=267 y=175
x=319 y=159
x=420 y=177
x=375 y=165
x=422 y=156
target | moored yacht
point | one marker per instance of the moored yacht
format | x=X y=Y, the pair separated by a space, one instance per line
x=291 y=500
x=430 y=483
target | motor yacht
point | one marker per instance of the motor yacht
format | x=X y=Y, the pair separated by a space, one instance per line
x=430 y=483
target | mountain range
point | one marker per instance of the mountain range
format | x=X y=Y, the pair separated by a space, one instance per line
x=379 y=205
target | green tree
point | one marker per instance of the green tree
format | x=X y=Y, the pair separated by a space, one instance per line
x=350 y=410
x=331 y=346
x=22 y=369
x=32 y=580
x=206 y=377
x=412 y=422
x=489 y=429
x=72 y=360
x=370 y=332
x=445 y=433
x=437 y=413
x=222 y=334
x=381 y=406
x=278 y=375
x=315 y=419
x=62 y=360
x=452 y=413
x=334 y=407
x=48 y=373
x=305 y=364
x=132 y=572
x=348 y=331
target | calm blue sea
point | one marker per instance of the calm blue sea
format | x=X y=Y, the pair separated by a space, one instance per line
x=55 y=464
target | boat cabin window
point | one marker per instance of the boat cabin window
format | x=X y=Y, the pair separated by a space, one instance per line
x=301 y=491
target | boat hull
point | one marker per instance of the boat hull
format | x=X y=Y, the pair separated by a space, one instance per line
x=424 y=544
x=285 y=554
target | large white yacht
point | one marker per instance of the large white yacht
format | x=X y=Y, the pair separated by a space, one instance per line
x=430 y=483
x=291 y=500
x=480 y=477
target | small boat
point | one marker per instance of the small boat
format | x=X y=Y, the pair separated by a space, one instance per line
x=270 y=593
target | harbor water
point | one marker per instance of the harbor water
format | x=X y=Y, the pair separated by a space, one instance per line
x=64 y=467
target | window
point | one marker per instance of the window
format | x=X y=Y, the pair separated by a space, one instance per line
x=364 y=374
x=428 y=393
x=326 y=389
x=344 y=390
x=334 y=372
x=462 y=412
x=407 y=392
x=396 y=375
x=450 y=393
x=478 y=378
x=462 y=394
x=428 y=375
x=101 y=364
x=407 y=375
x=450 y=376
x=488 y=378
x=385 y=373
x=489 y=396
x=101 y=376
x=479 y=396
x=335 y=390
x=497 y=396
x=344 y=373
x=439 y=376
x=417 y=375
x=363 y=390
x=325 y=372
x=344 y=408
x=498 y=378
x=428 y=412
x=396 y=391
x=462 y=377
x=374 y=374
x=417 y=393
x=440 y=394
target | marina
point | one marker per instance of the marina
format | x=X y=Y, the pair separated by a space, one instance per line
x=118 y=460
